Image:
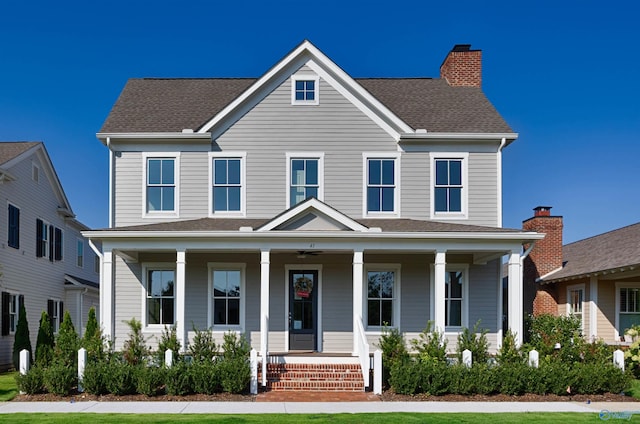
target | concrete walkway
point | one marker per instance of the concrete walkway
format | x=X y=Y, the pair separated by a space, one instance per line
x=609 y=408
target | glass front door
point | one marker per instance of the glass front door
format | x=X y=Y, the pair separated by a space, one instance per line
x=303 y=316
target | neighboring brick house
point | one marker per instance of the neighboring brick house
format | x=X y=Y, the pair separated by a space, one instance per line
x=596 y=279
x=307 y=209
x=46 y=263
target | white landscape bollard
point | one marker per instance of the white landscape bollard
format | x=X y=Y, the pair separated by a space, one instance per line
x=168 y=358
x=377 y=372
x=533 y=358
x=618 y=359
x=82 y=362
x=24 y=363
x=467 y=360
x=254 y=372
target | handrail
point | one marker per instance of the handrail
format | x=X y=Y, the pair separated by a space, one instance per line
x=363 y=351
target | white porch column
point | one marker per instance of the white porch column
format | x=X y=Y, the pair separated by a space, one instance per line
x=439 y=276
x=515 y=297
x=264 y=300
x=593 y=308
x=358 y=293
x=107 y=305
x=181 y=298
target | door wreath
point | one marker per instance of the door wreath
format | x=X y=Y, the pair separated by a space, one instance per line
x=303 y=286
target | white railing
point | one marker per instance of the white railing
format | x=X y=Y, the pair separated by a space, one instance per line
x=264 y=349
x=363 y=351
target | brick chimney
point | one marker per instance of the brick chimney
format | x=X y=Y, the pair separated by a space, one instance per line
x=462 y=67
x=545 y=257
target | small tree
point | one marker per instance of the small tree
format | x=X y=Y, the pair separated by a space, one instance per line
x=67 y=343
x=203 y=348
x=475 y=341
x=135 y=348
x=45 y=342
x=432 y=345
x=22 y=339
x=93 y=341
x=168 y=340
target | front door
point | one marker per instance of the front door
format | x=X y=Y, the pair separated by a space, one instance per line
x=303 y=314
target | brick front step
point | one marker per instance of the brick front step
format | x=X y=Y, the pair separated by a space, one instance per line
x=314 y=377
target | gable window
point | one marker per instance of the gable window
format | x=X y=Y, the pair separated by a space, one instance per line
x=305 y=178
x=54 y=309
x=449 y=186
x=10 y=311
x=227 y=185
x=14 y=227
x=227 y=297
x=35 y=173
x=160 y=297
x=382 y=295
x=455 y=299
x=96 y=264
x=304 y=90
x=80 y=253
x=381 y=185
x=161 y=184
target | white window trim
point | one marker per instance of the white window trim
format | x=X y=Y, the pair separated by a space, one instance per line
x=304 y=155
x=464 y=157
x=464 y=268
x=305 y=77
x=227 y=266
x=395 y=156
x=620 y=285
x=243 y=183
x=305 y=267
x=150 y=266
x=46 y=249
x=78 y=241
x=176 y=173
x=582 y=288
x=17 y=302
x=376 y=330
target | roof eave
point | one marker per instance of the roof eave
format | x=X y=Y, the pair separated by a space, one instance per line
x=154 y=136
x=436 y=136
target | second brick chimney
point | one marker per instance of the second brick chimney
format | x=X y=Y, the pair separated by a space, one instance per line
x=545 y=257
x=462 y=67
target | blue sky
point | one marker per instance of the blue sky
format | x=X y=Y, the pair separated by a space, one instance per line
x=564 y=74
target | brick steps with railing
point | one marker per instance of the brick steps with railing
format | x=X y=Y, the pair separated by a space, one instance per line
x=314 y=377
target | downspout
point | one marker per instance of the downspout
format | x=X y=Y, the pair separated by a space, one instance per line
x=503 y=142
x=101 y=256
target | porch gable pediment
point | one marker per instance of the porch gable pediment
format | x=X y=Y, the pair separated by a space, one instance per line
x=312 y=215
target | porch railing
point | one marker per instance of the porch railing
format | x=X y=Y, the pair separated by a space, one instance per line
x=363 y=351
x=264 y=350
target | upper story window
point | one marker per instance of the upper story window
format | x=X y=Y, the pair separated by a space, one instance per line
x=305 y=178
x=161 y=184
x=227 y=295
x=449 y=188
x=14 y=227
x=160 y=297
x=381 y=185
x=48 y=241
x=227 y=183
x=304 y=90
x=80 y=253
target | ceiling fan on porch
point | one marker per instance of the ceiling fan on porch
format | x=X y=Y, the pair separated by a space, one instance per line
x=302 y=254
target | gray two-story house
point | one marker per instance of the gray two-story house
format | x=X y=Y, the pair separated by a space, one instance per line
x=307 y=208
x=46 y=263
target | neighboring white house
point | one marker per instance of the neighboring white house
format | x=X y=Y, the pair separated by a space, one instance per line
x=46 y=262
x=307 y=208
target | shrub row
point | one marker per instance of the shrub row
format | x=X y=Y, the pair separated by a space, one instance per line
x=121 y=378
x=412 y=376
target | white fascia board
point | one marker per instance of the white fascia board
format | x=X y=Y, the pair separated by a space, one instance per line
x=431 y=136
x=154 y=136
x=313 y=204
x=319 y=62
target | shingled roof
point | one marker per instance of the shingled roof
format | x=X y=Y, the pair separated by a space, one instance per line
x=12 y=149
x=605 y=252
x=171 y=105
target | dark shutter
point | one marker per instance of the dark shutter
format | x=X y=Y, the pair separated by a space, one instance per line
x=14 y=227
x=39 y=235
x=50 y=311
x=60 y=314
x=51 y=242
x=58 y=244
x=5 y=313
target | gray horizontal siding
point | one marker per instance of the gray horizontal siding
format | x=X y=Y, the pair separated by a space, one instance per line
x=483 y=192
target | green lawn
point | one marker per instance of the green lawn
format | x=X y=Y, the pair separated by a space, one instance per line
x=315 y=418
x=8 y=387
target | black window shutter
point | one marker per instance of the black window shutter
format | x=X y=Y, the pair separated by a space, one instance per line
x=51 y=242
x=14 y=227
x=60 y=314
x=5 y=313
x=50 y=311
x=39 y=235
x=58 y=244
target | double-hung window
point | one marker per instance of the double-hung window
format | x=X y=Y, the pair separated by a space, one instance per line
x=226 y=295
x=628 y=306
x=304 y=90
x=575 y=301
x=449 y=187
x=381 y=185
x=454 y=299
x=10 y=311
x=160 y=295
x=14 y=227
x=161 y=184
x=80 y=253
x=55 y=311
x=227 y=184
x=49 y=242
x=383 y=291
x=305 y=177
